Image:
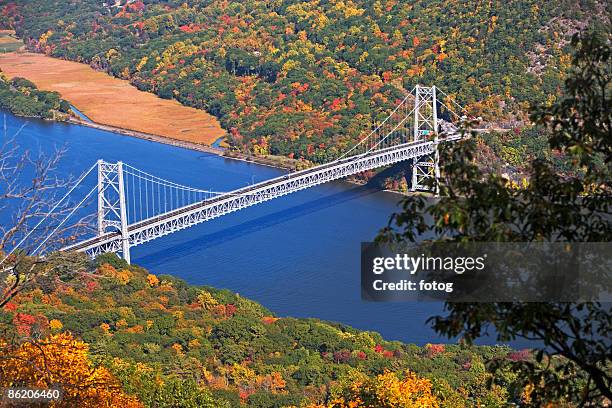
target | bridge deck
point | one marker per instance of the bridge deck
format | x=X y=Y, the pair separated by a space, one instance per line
x=184 y=217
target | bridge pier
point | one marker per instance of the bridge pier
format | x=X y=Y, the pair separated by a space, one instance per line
x=426 y=170
x=125 y=236
x=112 y=210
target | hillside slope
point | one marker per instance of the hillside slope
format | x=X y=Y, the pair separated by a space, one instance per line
x=306 y=79
x=153 y=330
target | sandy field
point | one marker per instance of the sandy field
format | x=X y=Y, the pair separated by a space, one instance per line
x=111 y=101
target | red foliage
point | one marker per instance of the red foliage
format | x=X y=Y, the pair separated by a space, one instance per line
x=310 y=149
x=230 y=310
x=335 y=105
x=520 y=355
x=236 y=134
x=23 y=323
x=379 y=348
x=11 y=307
x=387 y=354
x=191 y=28
x=244 y=394
x=361 y=355
x=342 y=356
x=10 y=9
x=434 y=349
x=91 y=285
x=299 y=88
x=137 y=6
x=219 y=310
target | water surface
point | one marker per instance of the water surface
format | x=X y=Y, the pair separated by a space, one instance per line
x=297 y=255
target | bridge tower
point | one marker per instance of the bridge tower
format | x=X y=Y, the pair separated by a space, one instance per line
x=112 y=214
x=426 y=169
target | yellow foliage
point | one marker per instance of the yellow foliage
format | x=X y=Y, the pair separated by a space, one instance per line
x=55 y=324
x=207 y=301
x=44 y=37
x=124 y=276
x=142 y=63
x=112 y=54
x=152 y=279
x=62 y=360
x=240 y=374
x=388 y=391
x=348 y=8
x=527 y=391
x=289 y=65
x=178 y=349
x=121 y=324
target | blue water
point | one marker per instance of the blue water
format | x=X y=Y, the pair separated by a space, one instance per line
x=297 y=255
x=217 y=143
x=80 y=114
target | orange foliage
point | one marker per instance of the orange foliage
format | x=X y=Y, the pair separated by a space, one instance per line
x=152 y=279
x=434 y=349
x=62 y=360
x=388 y=391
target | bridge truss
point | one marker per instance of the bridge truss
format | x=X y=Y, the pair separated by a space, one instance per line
x=135 y=207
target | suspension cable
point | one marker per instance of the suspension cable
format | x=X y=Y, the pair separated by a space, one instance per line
x=80 y=179
x=65 y=219
x=378 y=127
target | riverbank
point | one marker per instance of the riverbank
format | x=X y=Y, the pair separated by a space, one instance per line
x=270 y=161
x=113 y=102
x=147 y=136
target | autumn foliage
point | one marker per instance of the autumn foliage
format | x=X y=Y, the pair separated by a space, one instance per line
x=284 y=77
x=61 y=361
x=166 y=342
x=388 y=391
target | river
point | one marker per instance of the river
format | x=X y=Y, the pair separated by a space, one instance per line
x=297 y=255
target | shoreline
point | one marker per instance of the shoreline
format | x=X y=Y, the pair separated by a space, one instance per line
x=177 y=143
x=112 y=101
x=226 y=154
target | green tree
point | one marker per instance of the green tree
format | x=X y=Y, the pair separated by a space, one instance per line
x=574 y=338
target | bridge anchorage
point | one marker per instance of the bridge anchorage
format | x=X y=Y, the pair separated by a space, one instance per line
x=134 y=207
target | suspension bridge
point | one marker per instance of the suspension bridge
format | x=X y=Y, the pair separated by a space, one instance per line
x=135 y=207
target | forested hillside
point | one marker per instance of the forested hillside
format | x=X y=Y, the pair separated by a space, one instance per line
x=170 y=344
x=306 y=79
